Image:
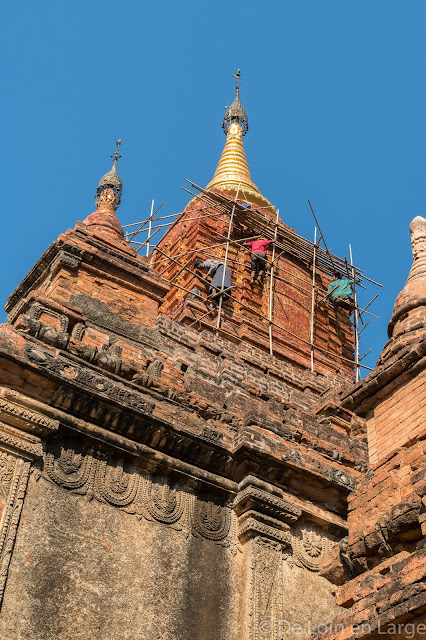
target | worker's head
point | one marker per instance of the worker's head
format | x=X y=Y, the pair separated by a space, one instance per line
x=198 y=264
x=337 y=275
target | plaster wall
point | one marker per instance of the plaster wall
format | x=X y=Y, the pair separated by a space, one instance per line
x=82 y=569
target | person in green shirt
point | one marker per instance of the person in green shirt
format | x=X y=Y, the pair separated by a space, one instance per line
x=340 y=291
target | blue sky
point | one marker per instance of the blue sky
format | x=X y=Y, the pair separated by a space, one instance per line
x=334 y=92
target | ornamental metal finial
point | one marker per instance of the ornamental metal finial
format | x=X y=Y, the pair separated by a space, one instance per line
x=111 y=180
x=235 y=113
x=116 y=157
x=237 y=82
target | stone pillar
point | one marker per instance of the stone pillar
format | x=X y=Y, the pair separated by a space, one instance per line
x=283 y=547
x=22 y=429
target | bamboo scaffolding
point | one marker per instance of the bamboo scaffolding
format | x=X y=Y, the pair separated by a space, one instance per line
x=149 y=228
x=167 y=224
x=146 y=241
x=364 y=327
x=132 y=234
x=286 y=240
x=261 y=315
x=290 y=241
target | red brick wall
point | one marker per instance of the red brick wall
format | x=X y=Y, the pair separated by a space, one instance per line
x=398 y=419
x=292 y=297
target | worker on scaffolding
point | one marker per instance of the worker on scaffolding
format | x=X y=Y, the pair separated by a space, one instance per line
x=258 y=258
x=340 y=291
x=219 y=275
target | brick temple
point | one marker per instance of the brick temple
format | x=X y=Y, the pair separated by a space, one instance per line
x=176 y=468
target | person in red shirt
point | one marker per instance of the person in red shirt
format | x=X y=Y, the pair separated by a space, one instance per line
x=258 y=258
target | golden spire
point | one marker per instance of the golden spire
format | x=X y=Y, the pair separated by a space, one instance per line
x=232 y=171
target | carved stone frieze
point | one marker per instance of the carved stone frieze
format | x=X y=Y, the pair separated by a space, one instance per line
x=22 y=429
x=37 y=310
x=124 y=485
x=342 y=478
x=210 y=519
x=96 y=410
x=7 y=465
x=16 y=439
x=108 y=357
x=45 y=333
x=14 y=412
x=163 y=501
x=68 y=468
x=100 y=315
x=114 y=484
x=87 y=379
x=78 y=331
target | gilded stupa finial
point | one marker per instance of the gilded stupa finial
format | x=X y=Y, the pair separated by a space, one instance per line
x=232 y=173
x=236 y=112
x=110 y=186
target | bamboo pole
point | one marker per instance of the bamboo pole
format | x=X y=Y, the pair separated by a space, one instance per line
x=356 y=317
x=147 y=240
x=149 y=228
x=225 y=261
x=313 y=301
x=271 y=288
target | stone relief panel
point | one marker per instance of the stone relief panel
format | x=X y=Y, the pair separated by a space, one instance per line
x=303 y=548
x=126 y=486
x=7 y=465
x=69 y=469
x=14 y=473
x=164 y=502
x=266 y=589
x=115 y=485
x=22 y=428
x=309 y=544
x=210 y=519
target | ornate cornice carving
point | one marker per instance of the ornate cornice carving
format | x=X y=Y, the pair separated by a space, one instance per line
x=255 y=498
x=21 y=428
x=251 y=527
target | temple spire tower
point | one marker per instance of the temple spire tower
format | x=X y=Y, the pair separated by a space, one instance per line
x=232 y=172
